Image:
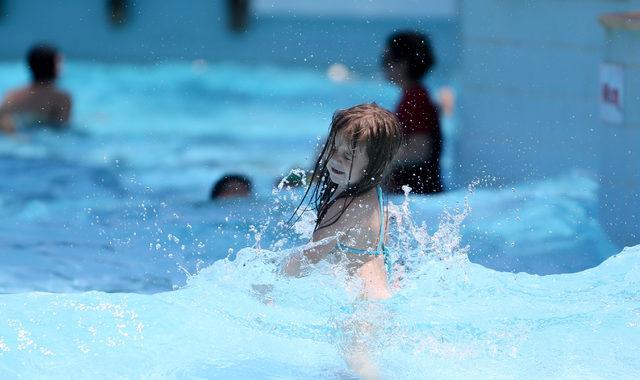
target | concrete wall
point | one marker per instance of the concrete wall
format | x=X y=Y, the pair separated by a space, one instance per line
x=171 y=29
x=619 y=142
x=530 y=87
x=367 y=8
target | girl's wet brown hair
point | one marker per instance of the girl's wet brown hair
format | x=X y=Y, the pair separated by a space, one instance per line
x=365 y=126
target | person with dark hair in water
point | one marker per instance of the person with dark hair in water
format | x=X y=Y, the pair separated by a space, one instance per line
x=406 y=60
x=41 y=101
x=231 y=186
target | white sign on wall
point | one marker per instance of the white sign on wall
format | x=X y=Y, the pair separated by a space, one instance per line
x=611 y=93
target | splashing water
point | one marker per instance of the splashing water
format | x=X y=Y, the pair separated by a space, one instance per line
x=238 y=318
x=120 y=225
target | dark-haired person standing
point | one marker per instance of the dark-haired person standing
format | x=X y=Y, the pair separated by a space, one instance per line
x=406 y=60
x=40 y=102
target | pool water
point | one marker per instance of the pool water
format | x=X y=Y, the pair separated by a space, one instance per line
x=92 y=208
x=144 y=277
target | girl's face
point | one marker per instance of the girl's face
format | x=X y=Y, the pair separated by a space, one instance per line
x=346 y=165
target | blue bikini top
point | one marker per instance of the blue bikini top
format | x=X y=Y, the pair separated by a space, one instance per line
x=380 y=249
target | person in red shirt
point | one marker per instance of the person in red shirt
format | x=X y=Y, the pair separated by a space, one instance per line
x=406 y=60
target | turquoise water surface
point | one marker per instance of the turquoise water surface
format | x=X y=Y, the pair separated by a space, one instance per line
x=114 y=264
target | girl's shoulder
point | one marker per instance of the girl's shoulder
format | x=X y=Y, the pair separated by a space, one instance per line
x=361 y=204
x=361 y=212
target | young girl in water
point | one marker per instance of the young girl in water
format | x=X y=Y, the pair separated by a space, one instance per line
x=345 y=191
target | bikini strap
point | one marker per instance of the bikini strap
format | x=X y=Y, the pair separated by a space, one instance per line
x=381 y=248
x=382 y=220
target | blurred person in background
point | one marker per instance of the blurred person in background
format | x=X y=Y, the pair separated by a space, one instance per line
x=406 y=60
x=40 y=102
x=231 y=186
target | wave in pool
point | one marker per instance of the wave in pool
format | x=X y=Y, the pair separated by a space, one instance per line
x=238 y=318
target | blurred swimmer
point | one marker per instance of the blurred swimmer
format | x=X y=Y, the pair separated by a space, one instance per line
x=41 y=102
x=407 y=60
x=231 y=186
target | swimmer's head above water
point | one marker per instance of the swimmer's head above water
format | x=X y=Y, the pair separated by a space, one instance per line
x=44 y=63
x=231 y=186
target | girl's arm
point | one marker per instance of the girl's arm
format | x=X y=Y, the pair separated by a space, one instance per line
x=349 y=229
x=324 y=242
x=7 y=107
x=313 y=253
x=6 y=123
